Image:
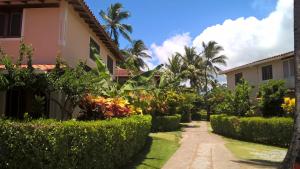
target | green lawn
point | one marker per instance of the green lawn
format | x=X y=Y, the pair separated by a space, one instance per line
x=159 y=149
x=256 y=154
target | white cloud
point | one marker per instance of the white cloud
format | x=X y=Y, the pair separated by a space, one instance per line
x=243 y=39
x=249 y=39
x=174 y=44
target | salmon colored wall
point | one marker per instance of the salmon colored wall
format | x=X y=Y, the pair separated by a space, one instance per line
x=41 y=30
x=76 y=39
x=56 y=30
x=10 y=46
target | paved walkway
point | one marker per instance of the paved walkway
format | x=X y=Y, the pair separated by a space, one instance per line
x=201 y=149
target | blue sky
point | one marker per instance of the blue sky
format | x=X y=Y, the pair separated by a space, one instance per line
x=156 y=20
x=248 y=30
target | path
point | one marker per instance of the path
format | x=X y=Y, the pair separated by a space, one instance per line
x=201 y=149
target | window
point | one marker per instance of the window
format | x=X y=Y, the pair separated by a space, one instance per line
x=94 y=49
x=110 y=65
x=238 y=78
x=288 y=68
x=267 y=72
x=10 y=23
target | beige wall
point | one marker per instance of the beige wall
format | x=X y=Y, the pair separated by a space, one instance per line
x=75 y=38
x=254 y=75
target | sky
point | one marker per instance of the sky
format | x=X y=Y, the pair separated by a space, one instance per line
x=248 y=30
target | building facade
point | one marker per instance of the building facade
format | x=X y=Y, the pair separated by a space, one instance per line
x=280 y=67
x=53 y=27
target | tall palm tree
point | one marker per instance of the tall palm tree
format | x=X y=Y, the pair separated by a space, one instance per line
x=212 y=59
x=174 y=64
x=113 y=22
x=192 y=67
x=135 y=55
x=293 y=155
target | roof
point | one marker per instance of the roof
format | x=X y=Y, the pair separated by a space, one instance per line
x=39 y=67
x=122 y=72
x=262 y=61
x=84 y=12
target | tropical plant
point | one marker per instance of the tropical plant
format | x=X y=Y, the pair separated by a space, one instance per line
x=289 y=106
x=134 y=57
x=113 y=18
x=97 y=107
x=192 y=67
x=175 y=64
x=212 y=59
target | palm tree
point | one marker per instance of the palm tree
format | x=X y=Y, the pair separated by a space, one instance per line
x=293 y=154
x=134 y=56
x=212 y=59
x=174 y=64
x=113 y=22
x=192 y=67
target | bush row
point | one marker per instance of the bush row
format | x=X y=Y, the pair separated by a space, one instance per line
x=50 y=144
x=273 y=131
x=166 y=123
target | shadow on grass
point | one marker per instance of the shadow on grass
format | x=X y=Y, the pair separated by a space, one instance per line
x=187 y=125
x=141 y=156
x=257 y=162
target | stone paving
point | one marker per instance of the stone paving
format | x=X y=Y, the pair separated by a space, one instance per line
x=201 y=149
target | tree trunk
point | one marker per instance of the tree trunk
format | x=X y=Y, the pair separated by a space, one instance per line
x=205 y=97
x=292 y=155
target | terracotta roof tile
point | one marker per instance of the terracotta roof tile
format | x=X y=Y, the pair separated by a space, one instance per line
x=42 y=67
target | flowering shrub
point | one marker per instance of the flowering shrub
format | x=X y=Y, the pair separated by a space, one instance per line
x=288 y=105
x=103 y=108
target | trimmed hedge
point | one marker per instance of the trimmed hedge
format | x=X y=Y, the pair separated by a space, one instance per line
x=273 y=131
x=166 y=123
x=50 y=144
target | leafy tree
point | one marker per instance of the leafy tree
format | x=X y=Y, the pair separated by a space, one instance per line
x=221 y=100
x=242 y=104
x=271 y=96
x=134 y=57
x=72 y=83
x=113 y=18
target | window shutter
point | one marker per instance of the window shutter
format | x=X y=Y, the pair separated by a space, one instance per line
x=292 y=67
x=286 y=69
x=3 y=18
x=15 y=24
x=110 y=65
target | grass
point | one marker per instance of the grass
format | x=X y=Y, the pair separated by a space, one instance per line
x=160 y=147
x=256 y=154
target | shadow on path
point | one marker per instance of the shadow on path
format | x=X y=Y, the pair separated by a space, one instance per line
x=257 y=162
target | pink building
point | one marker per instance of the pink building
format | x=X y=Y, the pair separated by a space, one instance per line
x=65 y=27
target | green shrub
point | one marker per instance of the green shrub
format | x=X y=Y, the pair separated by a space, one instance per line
x=50 y=144
x=225 y=125
x=273 y=131
x=166 y=123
